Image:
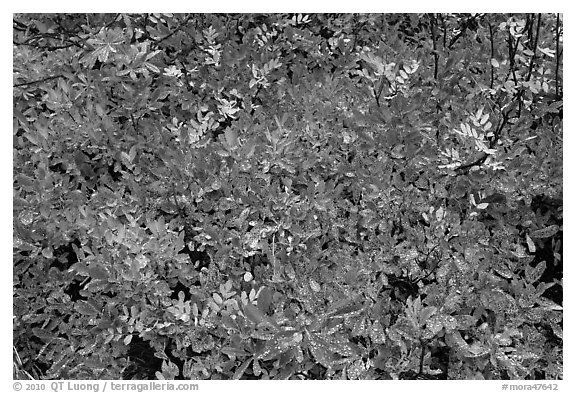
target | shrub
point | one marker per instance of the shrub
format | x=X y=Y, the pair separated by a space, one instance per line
x=288 y=196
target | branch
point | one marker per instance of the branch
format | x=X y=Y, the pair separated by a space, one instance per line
x=46 y=48
x=433 y=34
x=38 y=81
x=479 y=160
x=534 y=46
x=156 y=43
x=557 y=51
x=443 y=31
x=463 y=31
x=491 y=56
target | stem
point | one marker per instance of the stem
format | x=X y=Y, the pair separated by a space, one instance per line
x=433 y=34
x=511 y=56
x=534 y=46
x=444 y=31
x=512 y=50
x=38 y=81
x=491 y=56
x=423 y=347
x=557 y=51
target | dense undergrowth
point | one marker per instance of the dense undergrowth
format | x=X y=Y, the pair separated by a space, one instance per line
x=288 y=196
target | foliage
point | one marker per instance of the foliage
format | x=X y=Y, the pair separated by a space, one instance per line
x=288 y=196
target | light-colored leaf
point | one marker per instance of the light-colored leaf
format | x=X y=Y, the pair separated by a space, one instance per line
x=531 y=245
x=314 y=285
x=240 y=370
x=543 y=233
x=217 y=298
x=440 y=213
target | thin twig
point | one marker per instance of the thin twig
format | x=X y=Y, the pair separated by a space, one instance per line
x=463 y=30
x=491 y=55
x=534 y=46
x=433 y=34
x=557 y=51
x=180 y=25
x=38 y=81
x=444 y=30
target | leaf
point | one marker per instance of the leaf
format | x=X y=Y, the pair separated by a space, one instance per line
x=549 y=304
x=25 y=181
x=547 y=51
x=426 y=313
x=531 y=245
x=240 y=370
x=347 y=311
x=377 y=334
x=254 y=314
x=264 y=299
x=44 y=334
x=217 y=298
x=494 y=198
x=557 y=329
x=543 y=233
x=85 y=308
x=231 y=137
x=440 y=213
x=94 y=362
x=47 y=252
x=476 y=349
x=314 y=285
x=98 y=271
x=132 y=153
x=320 y=350
x=233 y=351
